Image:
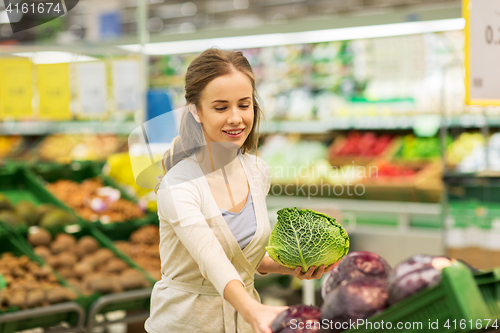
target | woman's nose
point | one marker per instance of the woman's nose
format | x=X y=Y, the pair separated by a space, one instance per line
x=234 y=117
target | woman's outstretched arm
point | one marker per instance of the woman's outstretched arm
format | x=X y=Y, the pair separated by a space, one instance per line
x=258 y=315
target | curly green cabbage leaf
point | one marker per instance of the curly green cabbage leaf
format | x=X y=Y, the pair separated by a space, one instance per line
x=306 y=238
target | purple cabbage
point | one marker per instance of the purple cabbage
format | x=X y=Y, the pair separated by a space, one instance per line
x=356 y=265
x=298 y=319
x=357 y=299
x=414 y=274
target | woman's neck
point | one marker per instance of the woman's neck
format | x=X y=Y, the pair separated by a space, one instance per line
x=217 y=155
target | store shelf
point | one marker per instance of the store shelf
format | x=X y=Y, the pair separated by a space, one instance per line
x=370 y=123
x=481 y=174
x=371 y=206
x=72 y=127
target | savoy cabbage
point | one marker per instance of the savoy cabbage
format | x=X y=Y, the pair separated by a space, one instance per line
x=303 y=237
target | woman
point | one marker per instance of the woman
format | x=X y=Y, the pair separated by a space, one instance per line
x=211 y=204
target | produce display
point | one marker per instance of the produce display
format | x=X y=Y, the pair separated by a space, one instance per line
x=95 y=202
x=26 y=213
x=355 y=265
x=353 y=300
x=298 y=319
x=361 y=144
x=64 y=148
x=85 y=265
x=303 y=237
x=415 y=274
x=143 y=248
x=471 y=153
x=346 y=163
x=389 y=170
x=9 y=144
x=30 y=285
x=463 y=146
x=417 y=148
x=363 y=284
x=119 y=168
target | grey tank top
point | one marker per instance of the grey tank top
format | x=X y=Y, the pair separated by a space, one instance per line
x=243 y=224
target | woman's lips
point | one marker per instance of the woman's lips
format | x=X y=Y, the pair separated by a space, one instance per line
x=239 y=132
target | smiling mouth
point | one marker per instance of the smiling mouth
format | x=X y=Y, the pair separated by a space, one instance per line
x=234 y=132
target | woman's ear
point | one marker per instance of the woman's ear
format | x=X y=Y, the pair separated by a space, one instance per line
x=194 y=112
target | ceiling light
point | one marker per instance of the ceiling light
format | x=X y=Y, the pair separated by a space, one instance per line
x=316 y=36
x=54 y=57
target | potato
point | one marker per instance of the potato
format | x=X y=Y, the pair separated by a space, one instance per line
x=92 y=260
x=87 y=244
x=52 y=278
x=40 y=238
x=103 y=255
x=42 y=272
x=133 y=279
x=18 y=299
x=42 y=251
x=35 y=298
x=115 y=265
x=59 y=294
x=103 y=284
x=23 y=261
x=66 y=272
x=67 y=259
x=53 y=260
x=83 y=268
x=18 y=272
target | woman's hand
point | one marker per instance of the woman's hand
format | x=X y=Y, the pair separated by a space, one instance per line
x=311 y=274
x=262 y=317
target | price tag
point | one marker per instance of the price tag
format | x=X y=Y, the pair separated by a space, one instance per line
x=54 y=91
x=126 y=85
x=15 y=89
x=92 y=88
x=482 y=51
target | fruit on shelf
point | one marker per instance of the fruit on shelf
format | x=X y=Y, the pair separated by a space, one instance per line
x=387 y=169
x=88 y=267
x=25 y=213
x=64 y=148
x=9 y=144
x=463 y=147
x=365 y=144
x=82 y=197
x=30 y=285
x=419 y=148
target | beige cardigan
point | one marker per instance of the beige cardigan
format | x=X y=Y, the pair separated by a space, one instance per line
x=199 y=254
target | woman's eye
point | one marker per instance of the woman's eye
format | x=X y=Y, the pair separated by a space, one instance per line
x=220 y=109
x=244 y=106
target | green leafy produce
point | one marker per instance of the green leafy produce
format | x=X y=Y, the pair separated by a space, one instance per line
x=303 y=237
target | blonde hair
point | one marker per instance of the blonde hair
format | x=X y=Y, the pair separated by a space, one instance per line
x=209 y=65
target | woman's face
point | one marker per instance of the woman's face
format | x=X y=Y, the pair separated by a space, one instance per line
x=226 y=111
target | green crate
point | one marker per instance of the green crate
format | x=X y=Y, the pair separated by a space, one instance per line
x=19 y=184
x=456 y=297
x=14 y=245
x=87 y=301
x=79 y=171
x=489 y=285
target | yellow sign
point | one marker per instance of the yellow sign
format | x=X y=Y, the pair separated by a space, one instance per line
x=54 y=91
x=15 y=89
x=482 y=51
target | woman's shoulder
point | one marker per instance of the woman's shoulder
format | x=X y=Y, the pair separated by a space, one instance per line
x=184 y=172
